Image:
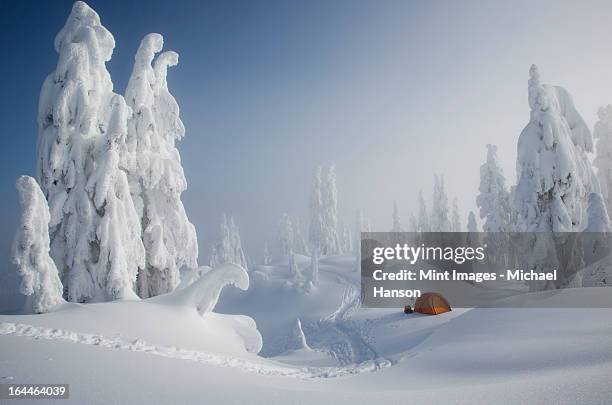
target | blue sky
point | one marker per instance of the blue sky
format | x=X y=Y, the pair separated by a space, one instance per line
x=391 y=91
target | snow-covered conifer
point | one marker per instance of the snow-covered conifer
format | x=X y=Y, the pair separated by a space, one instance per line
x=472 y=226
x=424 y=224
x=554 y=175
x=329 y=213
x=155 y=171
x=228 y=248
x=76 y=142
x=494 y=199
x=120 y=250
x=440 y=221
x=603 y=158
x=599 y=221
x=315 y=230
x=40 y=281
x=285 y=236
x=455 y=219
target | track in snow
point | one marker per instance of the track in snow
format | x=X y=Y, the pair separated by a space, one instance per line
x=138 y=345
x=343 y=338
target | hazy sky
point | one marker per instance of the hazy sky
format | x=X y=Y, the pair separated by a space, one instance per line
x=391 y=91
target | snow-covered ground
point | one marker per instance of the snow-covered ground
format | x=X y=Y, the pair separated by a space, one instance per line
x=164 y=351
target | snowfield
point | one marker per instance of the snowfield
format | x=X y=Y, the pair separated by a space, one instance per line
x=344 y=354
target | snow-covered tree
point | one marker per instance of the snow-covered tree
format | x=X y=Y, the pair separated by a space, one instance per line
x=599 y=221
x=155 y=171
x=472 y=226
x=316 y=230
x=228 y=249
x=555 y=179
x=603 y=158
x=397 y=225
x=494 y=199
x=554 y=174
x=424 y=225
x=120 y=249
x=80 y=136
x=455 y=219
x=40 y=281
x=440 y=214
x=329 y=213
x=285 y=236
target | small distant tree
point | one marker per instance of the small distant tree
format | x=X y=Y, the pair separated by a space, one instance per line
x=456 y=219
x=285 y=236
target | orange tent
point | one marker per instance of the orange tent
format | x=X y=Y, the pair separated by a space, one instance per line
x=432 y=304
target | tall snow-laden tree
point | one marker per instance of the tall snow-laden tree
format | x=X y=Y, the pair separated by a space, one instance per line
x=397 y=225
x=440 y=214
x=555 y=179
x=455 y=219
x=494 y=199
x=155 y=171
x=554 y=175
x=75 y=106
x=315 y=230
x=285 y=236
x=329 y=212
x=120 y=250
x=40 y=281
x=472 y=226
x=424 y=224
x=603 y=158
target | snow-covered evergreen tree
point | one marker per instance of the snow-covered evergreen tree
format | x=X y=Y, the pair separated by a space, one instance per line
x=494 y=199
x=120 y=249
x=424 y=224
x=155 y=171
x=285 y=236
x=555 y=179
x=76 y=142
x=603 y=158
x=329 y=213
x=316 y=230
x=228 y=249
x=397 y=225
x=455 y=219
x=599 y=221
x=440 y=221
x=40 y=281
x=472 y=226
x=554 y=175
